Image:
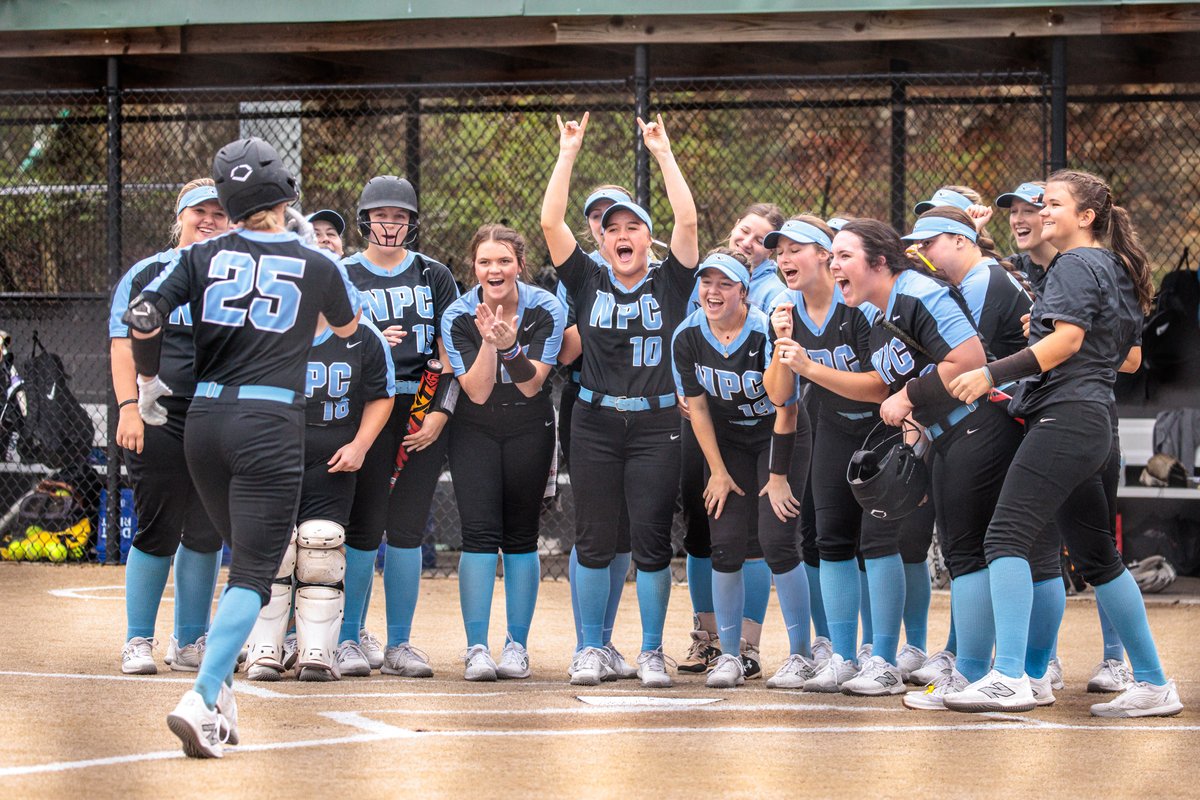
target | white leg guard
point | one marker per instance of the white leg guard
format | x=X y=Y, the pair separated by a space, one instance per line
x=320 y=568
x=264 y=648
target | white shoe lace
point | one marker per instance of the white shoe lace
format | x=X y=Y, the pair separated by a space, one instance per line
x=655 y=660
x=404 y=652
x=350 y=650
x=368 y=640
x=475 y=655
x=140 y=647
x=614 y=654
x=513 y=654
x=590 y=659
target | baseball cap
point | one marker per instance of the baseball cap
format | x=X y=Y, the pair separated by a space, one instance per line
x=195 y=197
x=1029 y=192
x=928 y=227
x=330 y=216
x=943 y=197
x=798 y=231
x=614 y=195
x=727 y=265
x=627 y=205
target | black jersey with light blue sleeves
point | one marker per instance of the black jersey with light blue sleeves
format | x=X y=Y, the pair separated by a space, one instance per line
x=765 y=284
x=413 y=295
x=924 y=311
x=626 y=332
x=540 y=323
x=842 y=341
x=996 y=302
x=176 y=368
x=345 y=374
x=731 y=375
x=1081 y=289
x=255 y=299
x=1034 y=272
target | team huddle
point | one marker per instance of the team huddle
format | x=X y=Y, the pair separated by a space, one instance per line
x=820 y=396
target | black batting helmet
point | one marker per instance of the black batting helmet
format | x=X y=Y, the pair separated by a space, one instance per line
x=891 y=483
x=251 y=177
x=387 y=191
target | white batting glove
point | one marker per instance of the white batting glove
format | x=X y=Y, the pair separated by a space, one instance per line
x=149 y=390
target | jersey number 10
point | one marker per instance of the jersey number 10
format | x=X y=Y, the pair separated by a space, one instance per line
x=237 y=275
x=647 y=350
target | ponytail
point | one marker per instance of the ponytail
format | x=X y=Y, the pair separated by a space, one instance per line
x=988 y=248
x=1128 y=247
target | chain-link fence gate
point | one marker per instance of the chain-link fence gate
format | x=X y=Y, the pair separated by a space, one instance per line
x=89 y=178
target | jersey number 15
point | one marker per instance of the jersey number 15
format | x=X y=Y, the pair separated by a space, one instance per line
x=237 y=275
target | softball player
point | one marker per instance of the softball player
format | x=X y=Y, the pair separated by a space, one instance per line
x=594 y=207
x=171 y=518
x=923 y=337
x=502 y=443
x=827 y=343
x=349 y=385
x=405 y=294
x=1079 y=329
x=258 y=293
x=745 y=238
x=328 y=230
x=625 y=430
x=720 y=353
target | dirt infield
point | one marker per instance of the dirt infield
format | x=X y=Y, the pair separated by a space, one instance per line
x=75 y=727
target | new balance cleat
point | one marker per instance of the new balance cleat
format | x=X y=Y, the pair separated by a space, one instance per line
x=652 y=669
x=933 y=668
x=875 y=678
x=351 y=660
x=588 y=667
x=186 y=658
x=932 y=697
x=479 y=664
x=831 y=676
x=1054 y=670
x=1142 y=699
x=822 y=649
x=371 y=646
x=726 y=673
x=514 y=662
x=406 y=661
x=1042 y=690
x=794 y=672
x=197 y=726
x=618 y=666
x=1110 y=676
x=137 y=657
x=227 y=708
x=909 y=660
x=994 y=692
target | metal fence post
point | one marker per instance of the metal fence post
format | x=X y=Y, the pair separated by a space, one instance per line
x=412 y=151
x=899 y=146
x=1058 y=103
x=641 y=87
x=112 y=509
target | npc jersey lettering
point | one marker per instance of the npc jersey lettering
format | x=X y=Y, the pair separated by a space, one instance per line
x=540 y=323
x=414 y=296
x=924 y=311
x=730 y=375
x=176 y=367
x=255 y=298
x=344 y=374
x=625 y=332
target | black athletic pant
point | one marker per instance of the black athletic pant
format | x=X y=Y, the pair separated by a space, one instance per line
x=916 y=534
x=566 y=410
x=808 y=510
x=969 y=464
x=748 y=519
x=500 y=459
x=692 y=479
x=403 y=515
x=619 y=456
x=324 y=494
x=1058 y=473
x=168 y=507
x=247 y=457
x=843 y=529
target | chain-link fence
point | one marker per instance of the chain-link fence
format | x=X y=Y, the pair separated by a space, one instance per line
x=89 y=180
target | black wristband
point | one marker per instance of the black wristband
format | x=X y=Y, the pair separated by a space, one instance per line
x=1020 y=364
x=124 y=403
x=146 y=353
x=779 y=457
x=445 y=396
x=520 y=368
x=928 y=390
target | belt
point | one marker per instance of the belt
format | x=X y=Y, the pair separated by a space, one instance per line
x=625 y=403
x=248 y=392
x=407 y=387
x=746 y=422
x=856 y=414
x=953 y=418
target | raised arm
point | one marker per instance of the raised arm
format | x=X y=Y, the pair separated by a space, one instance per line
x=684 y=234
x=559 y=238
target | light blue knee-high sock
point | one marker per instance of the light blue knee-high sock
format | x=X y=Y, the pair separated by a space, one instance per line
x=653 y=592
x=1123 y=604
x=757 y=577
x=886 y=576
x=840 y=590
x=792 y=587
x=1045 y=616
x=864 y=607
x=236 y=615
x=700 y=584
x=917 y=593
x=591 y=598
x=522 y=577
x=401 y=587
x=618 y=569
x=476 y=583
x=195 y=582
x=362 y=618
x=572 y=566
x=952 y=638
x=815 y=601
x=1113 y=649
x=145 y=580
x=360 y=574
x=1012 y=602
x=973 y=619
x=729 y=597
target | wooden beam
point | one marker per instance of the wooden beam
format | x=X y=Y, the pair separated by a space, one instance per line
x=121 y=42
x=1152 y=19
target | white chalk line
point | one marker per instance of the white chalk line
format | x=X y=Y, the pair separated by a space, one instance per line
x=242 y=687
x=632 y=709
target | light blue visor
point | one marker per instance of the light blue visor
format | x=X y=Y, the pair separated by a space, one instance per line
x=627 y=205
x=1029 y=192
x=800 y=232
x=929 y=227
x=613 y=195
x=195 y=197
x=944 y=197
x=727 y=265
x=837 y=223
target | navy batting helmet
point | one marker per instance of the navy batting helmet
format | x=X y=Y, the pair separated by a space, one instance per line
x=891 y=483
x=251 y=177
